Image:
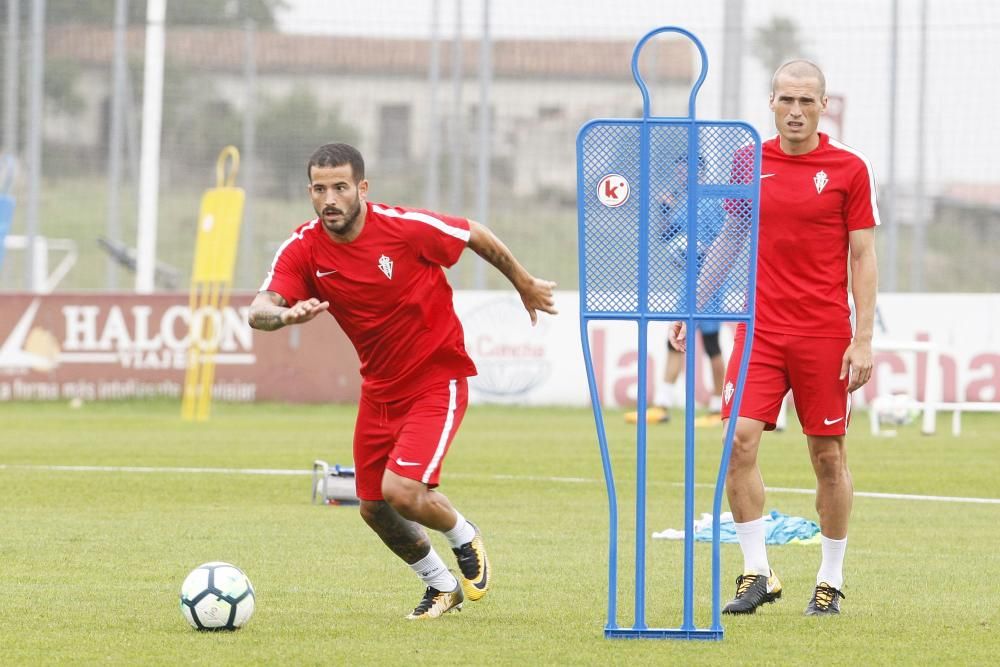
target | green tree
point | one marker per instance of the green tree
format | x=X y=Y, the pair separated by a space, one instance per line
x=196 y=133
x=289 y=129
x=776 y=43
x=61 y=76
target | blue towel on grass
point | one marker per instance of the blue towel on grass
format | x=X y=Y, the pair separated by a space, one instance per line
x=778 y=529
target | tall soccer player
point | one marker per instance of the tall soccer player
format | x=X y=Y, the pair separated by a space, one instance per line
x=378 y=270
x=817 y=217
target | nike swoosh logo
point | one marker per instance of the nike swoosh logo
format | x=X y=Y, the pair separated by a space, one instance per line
x=322 y=274
x=832 y=421
x=401 y=462
x=484 y=578
x=763 y=176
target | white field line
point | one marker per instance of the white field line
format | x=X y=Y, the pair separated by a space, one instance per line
x=220 y=471
x=523 y=478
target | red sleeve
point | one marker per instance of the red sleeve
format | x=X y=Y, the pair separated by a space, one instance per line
x=438 y=238
x=740 y=173
x=742 y=170
x=287 y=275
x=861 y=209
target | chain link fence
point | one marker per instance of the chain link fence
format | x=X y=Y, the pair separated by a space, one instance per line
x=468 y=113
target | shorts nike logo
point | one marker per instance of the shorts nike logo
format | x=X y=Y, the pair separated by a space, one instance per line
x=321 y=274
x=401 y=462
x=832 y=421
x=763 y=176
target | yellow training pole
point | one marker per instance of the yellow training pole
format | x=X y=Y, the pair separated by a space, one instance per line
x=211 y=281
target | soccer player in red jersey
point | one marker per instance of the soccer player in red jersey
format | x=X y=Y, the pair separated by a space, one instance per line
x=817 y=217
x=379 y=271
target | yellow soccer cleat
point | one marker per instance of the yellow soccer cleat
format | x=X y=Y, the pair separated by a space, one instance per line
x=475 y=566
x=435 y=603
x=752 y=591
x=710 y=420
x=654 y=415
x=824 y=601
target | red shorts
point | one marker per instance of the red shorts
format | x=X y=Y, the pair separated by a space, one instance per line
x=409 y=437
x=810 y=367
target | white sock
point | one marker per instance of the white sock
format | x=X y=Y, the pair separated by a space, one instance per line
x=831 y=570
x=461 y=533
x=751 y=538
x=433 y=571
x=663 y=397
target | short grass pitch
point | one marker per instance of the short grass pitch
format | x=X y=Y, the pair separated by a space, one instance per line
x=92 y=554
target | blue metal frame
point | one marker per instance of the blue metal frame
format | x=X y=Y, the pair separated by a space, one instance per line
x=8 y=169
x=642 y=316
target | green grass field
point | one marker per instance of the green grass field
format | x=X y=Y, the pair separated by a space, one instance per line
x=92 y=561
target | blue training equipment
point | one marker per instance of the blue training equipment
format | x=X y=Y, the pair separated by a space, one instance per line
x=645 y=187
x=8 y=168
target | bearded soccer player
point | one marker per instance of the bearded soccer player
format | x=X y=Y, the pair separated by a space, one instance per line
x=378 y=270
x=817 y=217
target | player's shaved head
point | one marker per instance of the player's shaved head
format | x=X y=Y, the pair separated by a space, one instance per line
x=800 y=69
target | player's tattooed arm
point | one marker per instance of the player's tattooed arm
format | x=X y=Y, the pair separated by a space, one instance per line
x=721 y=257
x=265 y=311
x=486 y=244
x=536 y=294
x=269 y=311
x=406 y=539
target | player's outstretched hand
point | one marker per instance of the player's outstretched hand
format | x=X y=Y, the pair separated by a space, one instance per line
x=677 y=335
x=536 y=294
x=858 y=362
x=304 y=311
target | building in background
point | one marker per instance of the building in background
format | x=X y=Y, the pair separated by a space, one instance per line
x=542 y=92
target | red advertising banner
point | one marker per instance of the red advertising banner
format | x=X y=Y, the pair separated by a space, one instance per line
x=106 y=346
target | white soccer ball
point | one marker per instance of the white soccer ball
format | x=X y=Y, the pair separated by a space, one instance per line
x=677 y=249
x=217 y=596
x=895 y=409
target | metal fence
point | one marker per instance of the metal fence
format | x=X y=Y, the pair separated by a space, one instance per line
x=471 y=108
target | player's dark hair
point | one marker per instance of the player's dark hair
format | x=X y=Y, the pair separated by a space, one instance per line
x=335 y=155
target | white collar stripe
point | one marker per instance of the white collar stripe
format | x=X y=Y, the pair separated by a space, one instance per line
x=871 y=174
x=436 y=223
x=296 y=236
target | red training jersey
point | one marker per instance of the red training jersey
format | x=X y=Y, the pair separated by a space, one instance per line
x=387 y=290
x=808 y=205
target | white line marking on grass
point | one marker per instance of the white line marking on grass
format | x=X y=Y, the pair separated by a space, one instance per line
x=898 y=496
x=145 y=469
x=523 y=478
x=872 y=494
x=534 y=478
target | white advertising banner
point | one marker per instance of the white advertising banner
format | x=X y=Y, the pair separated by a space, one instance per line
x=544 y=365
x=117 y=346
x=965 y=330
